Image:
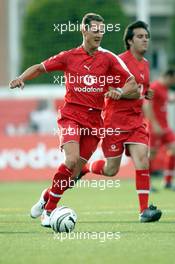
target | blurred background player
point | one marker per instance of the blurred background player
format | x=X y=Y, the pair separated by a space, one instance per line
x=160 y=132
x=43 y=119
x=81 y=109
x=127 y=115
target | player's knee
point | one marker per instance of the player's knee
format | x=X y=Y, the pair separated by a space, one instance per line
x=111 y=171
x=72 y=161
x=144 y=162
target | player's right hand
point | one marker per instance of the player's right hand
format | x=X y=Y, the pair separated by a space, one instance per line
x=113 y=94
x=16 y=83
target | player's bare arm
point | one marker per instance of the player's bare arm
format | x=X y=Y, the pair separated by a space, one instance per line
x=148 y=111
x=134 y=95
x=29 y=74
x=129 y=88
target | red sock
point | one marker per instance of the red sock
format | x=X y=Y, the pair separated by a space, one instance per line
x=168 y=179
x=95 y=167
x=85 y=169
x=168 y=173
x=46 y=194
x=143 y=187
x=61 y=182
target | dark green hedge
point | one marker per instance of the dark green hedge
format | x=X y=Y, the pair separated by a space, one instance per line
x=40 y=41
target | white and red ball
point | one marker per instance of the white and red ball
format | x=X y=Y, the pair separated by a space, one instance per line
x=63 y=219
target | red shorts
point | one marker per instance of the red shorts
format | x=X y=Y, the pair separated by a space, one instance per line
x=157 y=141
x=114 y=145
x=71 y=131
x=76 y=123
x=84 y=115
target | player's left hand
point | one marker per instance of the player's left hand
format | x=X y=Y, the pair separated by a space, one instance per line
x=113 y=94
x=149 y=94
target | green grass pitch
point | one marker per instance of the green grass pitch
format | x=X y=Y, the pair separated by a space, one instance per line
x=101 y=213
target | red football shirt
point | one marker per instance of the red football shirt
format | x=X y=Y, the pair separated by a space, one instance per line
x=159 y=103
x=127 y=114
x=87 y=75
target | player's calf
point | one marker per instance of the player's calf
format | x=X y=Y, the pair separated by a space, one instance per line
x=72 y=161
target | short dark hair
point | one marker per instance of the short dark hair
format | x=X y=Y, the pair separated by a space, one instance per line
x=129 y=31
x=86 y=21
x=169 y=72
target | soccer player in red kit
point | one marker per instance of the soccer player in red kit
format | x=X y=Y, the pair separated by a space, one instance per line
x=160 y=132
x=83 y=67
x=127 y=115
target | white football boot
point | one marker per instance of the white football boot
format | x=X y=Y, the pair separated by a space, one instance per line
x=45 y=219
x=38 y=208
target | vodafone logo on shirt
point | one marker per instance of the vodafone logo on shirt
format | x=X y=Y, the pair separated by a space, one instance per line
x=88 y=89
x=89 y=80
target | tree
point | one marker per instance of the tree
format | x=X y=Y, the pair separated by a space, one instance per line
x=172 y=42
x=41 y=41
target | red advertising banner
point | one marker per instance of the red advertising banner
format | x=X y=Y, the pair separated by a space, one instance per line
x=36 y=157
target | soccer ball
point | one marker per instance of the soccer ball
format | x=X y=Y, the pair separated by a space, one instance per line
x=63 y=219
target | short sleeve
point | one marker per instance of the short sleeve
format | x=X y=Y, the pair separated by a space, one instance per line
x=56 y=63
